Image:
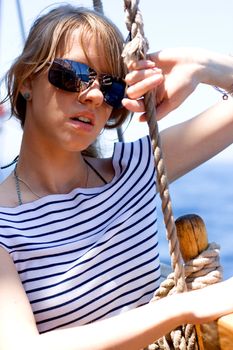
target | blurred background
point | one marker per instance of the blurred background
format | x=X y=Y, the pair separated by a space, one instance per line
x=206 y=191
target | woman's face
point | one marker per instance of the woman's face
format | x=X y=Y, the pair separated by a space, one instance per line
x=68 y=120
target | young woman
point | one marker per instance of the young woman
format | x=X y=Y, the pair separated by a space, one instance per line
x=78 y=237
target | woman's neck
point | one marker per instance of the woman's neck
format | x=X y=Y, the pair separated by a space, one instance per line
x=49 y=172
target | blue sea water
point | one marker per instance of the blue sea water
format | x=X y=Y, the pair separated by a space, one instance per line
x=208 y=192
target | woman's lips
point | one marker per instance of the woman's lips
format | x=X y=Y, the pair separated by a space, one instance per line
x=82 y=121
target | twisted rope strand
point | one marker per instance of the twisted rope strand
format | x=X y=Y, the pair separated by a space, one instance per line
x=134 y=50
x=200 y=272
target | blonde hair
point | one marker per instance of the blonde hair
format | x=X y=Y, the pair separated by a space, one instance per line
x=47 y=36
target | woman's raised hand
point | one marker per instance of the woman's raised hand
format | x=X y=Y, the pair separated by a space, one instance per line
x=143 y=76
x=173 y=73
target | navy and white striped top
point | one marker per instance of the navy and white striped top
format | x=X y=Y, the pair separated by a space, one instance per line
x=91 y=253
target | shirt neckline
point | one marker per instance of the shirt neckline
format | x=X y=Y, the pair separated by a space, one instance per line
x=70 y=194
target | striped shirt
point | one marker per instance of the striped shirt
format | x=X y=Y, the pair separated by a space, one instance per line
x=91 y=253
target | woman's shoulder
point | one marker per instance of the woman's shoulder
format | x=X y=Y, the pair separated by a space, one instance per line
x=8 y=196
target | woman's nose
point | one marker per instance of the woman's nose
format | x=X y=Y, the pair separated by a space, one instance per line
x=92 y=95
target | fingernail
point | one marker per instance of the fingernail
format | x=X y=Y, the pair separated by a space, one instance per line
x=156 y=69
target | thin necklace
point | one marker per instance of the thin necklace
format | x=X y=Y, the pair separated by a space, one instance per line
x=18 y=180
x=17 y=186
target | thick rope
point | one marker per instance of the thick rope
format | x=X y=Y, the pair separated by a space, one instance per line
x=203 y=270
x=200 y=272
x=184 y=337
x=134 y=50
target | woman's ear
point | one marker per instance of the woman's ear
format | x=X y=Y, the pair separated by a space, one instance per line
x=26 y=89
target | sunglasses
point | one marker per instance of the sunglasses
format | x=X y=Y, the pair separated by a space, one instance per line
x=74 y=76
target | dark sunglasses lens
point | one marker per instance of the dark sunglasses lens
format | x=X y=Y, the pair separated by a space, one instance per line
x=73 y=76
x=114 y=92
x=68 y=75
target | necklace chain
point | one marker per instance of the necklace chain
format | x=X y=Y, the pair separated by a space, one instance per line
x=17 y=186
x=18 y=180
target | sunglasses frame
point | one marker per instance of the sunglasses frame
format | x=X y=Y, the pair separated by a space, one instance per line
x=73 y=76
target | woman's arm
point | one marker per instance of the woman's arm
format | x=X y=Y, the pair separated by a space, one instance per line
x=137 y=328
x=184 y=69
x=188 y=144
x=175 y=74
x=191 y=143
x=130 y=330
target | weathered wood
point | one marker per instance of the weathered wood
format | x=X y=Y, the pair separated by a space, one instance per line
x=192 y=236
x=225 y=330
x=193 y=240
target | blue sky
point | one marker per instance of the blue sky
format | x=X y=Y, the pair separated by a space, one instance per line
x=202 y=23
